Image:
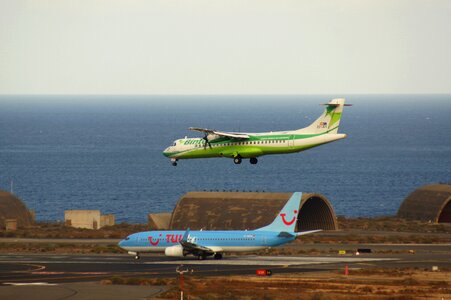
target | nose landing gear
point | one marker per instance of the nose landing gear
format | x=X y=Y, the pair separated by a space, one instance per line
x=174 y=161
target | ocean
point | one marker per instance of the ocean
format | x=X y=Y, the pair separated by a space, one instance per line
x=105 y=152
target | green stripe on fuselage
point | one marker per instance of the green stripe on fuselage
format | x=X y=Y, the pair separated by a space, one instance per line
x=225 y=147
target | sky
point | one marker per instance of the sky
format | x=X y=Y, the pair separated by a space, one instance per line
x=178 y=47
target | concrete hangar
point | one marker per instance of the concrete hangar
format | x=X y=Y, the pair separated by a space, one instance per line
x=431 y=203
x=243 y=210
x=13 y=212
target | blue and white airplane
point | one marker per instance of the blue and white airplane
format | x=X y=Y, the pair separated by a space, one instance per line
x=214 y=243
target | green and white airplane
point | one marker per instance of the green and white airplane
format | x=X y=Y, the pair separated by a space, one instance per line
x=239 y=145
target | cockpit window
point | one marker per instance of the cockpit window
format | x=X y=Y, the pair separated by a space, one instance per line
x=127 y=238
x=175 y=143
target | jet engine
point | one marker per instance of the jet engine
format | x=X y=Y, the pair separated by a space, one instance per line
x=174 y=251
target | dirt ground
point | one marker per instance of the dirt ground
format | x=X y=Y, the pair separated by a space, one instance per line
x=401 y=284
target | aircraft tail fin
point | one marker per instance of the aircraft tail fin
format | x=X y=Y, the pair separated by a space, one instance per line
x=287 y=217
x=329 y=120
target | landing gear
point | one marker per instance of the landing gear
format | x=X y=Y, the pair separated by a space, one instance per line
x=202 y=257
x=218 y=256
x=237 y=160
x=135 y=254
x=174 y=161
x=253 y=160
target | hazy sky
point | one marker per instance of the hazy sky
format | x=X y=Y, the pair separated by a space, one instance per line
x=225 y=47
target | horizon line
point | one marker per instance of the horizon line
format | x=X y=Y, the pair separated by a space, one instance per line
x=233 y=95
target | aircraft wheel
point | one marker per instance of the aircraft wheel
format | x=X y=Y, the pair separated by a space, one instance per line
x=218 y=256
x=253 y=160
x=237 y=160
x=174 y=163
x=137 y=256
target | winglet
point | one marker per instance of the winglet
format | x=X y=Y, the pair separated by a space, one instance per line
x=185 y=236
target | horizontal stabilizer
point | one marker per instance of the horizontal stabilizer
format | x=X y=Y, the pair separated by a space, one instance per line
x=307 y=232
x=335 y=104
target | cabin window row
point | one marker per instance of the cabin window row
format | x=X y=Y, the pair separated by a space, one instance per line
x=224 y=239
x=206 y=239
x=246 y=143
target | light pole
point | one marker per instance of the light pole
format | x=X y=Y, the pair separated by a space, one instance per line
x=181 y=270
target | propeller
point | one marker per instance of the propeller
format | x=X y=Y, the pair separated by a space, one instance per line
x=205 y=138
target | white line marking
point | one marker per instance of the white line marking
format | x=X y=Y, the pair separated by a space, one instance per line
x=273 y=261
x=29 y=283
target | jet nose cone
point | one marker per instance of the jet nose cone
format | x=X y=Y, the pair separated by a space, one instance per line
x=121 y=243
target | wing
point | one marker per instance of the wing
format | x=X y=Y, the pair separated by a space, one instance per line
x=196 y=249
x=233 y=135
x=193 y=248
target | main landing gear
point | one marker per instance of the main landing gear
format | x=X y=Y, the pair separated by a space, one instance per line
x=237 y=160
x=202 y=257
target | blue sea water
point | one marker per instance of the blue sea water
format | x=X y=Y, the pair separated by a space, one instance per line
x=104 y=152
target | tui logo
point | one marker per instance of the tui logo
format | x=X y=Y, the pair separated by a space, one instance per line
x=288 y=223
x=154 y=243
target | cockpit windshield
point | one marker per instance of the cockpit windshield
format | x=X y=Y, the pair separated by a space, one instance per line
x=175 y=143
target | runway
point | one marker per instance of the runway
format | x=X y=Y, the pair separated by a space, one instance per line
x=55 y=276
x=52 y=268
x=76 y=268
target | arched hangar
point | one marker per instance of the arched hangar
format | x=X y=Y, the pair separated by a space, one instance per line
x=428 y=203
x=12 y=208
x=248 y=210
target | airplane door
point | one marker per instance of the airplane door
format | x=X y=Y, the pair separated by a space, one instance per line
x=291 y=141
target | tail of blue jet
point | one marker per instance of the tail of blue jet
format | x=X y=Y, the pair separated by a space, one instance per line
x=215 y=243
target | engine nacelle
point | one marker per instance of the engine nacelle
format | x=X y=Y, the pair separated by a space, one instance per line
x=174 y=251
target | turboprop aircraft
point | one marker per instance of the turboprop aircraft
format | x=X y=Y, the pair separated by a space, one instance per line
x=214 y=243
x=239 y=145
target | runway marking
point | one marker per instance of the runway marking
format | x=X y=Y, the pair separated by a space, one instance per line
x=241 y=260
x=274 y=261
x=29 y=283
x=70 y=273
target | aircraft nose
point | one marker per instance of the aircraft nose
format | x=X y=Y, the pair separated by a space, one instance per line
x=121 y=244
x=166 y=151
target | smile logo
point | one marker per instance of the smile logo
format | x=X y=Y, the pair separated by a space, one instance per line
x=153 y=243
x=288 y=223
